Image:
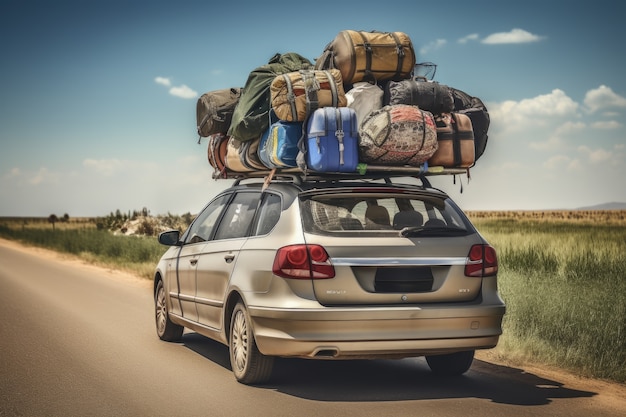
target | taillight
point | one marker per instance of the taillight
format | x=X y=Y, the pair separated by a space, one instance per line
x=303 y=262
x=481 y=261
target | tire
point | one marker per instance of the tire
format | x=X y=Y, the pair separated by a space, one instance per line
x=451 y=364
x=166 y=329
x=248 y=364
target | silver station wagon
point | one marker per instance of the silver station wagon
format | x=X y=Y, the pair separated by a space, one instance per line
x=326 y=268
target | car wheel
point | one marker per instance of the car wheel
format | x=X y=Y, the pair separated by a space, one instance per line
x=451 y=364
x=166 y=329
x=248 y=364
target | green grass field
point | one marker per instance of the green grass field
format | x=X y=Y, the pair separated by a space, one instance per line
x=562 y=276
x=564 y=283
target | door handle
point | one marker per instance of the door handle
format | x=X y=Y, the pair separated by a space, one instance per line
x=229 y=258
x=193 y=261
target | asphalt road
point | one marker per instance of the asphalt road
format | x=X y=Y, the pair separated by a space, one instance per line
x=77 y=340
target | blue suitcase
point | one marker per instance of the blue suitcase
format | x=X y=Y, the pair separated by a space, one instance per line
x=279 y=144
x=332 y=140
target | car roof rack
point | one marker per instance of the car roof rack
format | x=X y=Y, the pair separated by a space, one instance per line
x=297 y=176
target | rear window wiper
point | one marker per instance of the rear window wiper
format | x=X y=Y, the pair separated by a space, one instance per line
x=433 y=231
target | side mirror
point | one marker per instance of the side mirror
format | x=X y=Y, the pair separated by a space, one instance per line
x=170 y=238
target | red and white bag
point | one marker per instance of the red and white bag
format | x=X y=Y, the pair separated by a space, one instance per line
x=397 y=135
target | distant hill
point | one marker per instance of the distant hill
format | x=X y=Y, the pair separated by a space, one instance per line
x=605 y=206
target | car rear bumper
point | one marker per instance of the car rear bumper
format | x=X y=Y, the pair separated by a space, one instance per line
x=336 y=333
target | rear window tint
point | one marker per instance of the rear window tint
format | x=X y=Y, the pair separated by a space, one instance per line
x=369 y=214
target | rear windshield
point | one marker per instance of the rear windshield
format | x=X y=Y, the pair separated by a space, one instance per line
x=375 y=214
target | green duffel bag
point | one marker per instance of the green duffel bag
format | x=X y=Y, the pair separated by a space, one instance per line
x=251 y=116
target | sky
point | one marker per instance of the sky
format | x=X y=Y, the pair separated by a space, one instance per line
x=97 y=99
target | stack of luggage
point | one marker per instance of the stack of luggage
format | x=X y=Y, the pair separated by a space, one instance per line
x=359 y=107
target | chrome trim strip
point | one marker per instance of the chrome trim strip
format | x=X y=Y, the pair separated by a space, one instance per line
x=192 y=299
x=182 y=297
x=447 y=261
x=208 y=302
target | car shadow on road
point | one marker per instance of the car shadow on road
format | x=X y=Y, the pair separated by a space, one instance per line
x=210 y=349
x=396 y=380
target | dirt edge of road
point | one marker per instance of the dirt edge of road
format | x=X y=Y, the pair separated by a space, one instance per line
x=611 y=394
x=77 y=262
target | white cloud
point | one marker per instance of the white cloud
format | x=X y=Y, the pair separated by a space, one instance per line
x=514 y=36
x=99 y=186
x=561 y=163
x=183 y=92
x=559 y=138
x=104 y=167
x=557 y=162
x=608 y=125
x=43 y=176
x=570 y=127
x=596 y=155
x=603 y=97
x=13 y=173
x=553 y=143
x=557 y=103
x=434 y=45
x=163 y=81
x=534 y=112
x=575 y=165
x=471 y=37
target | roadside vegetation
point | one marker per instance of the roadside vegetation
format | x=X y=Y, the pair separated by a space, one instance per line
x=562 y=275
x=563 y=278
x=121 y=241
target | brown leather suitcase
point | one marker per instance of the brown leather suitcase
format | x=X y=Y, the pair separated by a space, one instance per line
x=455 y=139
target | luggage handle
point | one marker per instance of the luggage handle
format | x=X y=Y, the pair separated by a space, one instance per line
x=312 y=103
x=430 y=69
x=311 y=86
x=340 y=134
x=291 y=97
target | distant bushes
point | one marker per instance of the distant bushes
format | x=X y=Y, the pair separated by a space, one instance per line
x=141 y=223
x=124 y=241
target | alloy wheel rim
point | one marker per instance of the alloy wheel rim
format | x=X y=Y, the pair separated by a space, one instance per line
x=161 y=311
x=240 y=341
